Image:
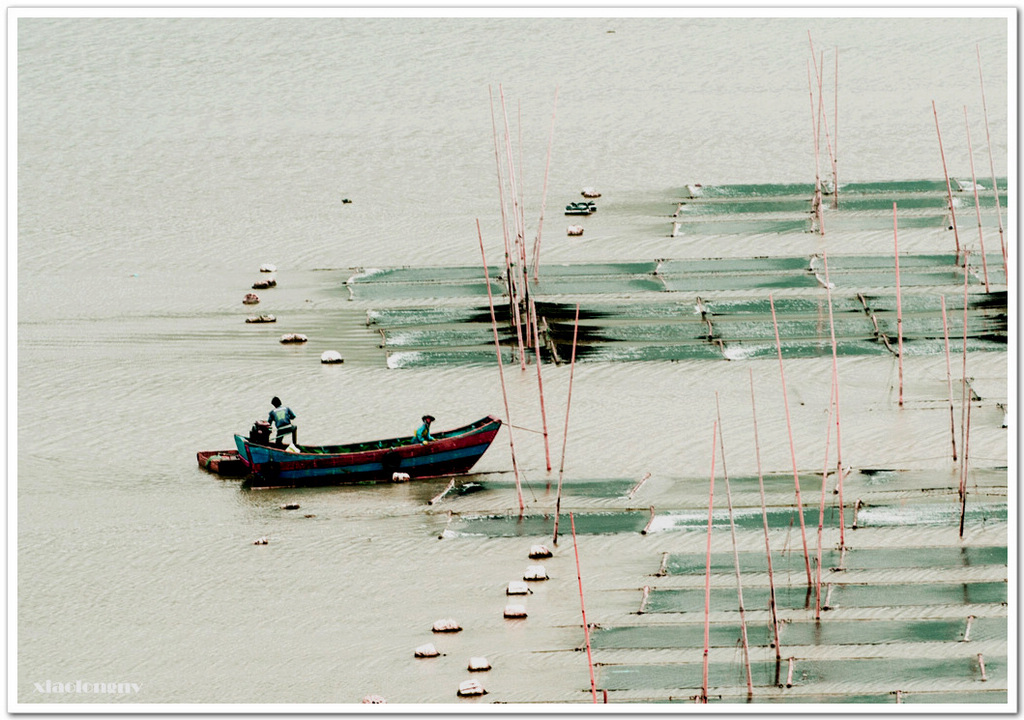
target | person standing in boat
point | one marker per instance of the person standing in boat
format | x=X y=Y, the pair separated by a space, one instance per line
x=281 y=417
x=423 y=434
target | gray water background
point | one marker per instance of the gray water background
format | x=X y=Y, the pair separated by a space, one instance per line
x=161 y=161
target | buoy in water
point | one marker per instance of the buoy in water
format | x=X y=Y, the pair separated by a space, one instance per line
x=293 y=338
x=478 y=664
x=539 y=551
x=261 y=319
x=471 y=688
x=400 y=477
x=264 y=284
x=535 y=572
x=446 y=625
x=426 y=651
x=515 y=612
x=267 y=267
x=589 y=192
x=290 y=506
x=250 y=299
x=331 y=357
x=261 y=541
x=518 y=587
x=574 y=230
x=374 y=700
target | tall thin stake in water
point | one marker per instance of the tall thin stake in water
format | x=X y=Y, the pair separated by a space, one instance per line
x=992 y=167
x=707 y=569
x=583 y=609
x=735 y=555
x=821 y=510
x=835 y=384
x=963 y=482
x=949 y=188
x=540 y=384
x=977 y=202
x=764 y=517
x=501 y=371
x=899 y=306
x=964 y=395
x=792 y=448
x=565 y=433
x=544 y=195
x=835 y=145
x=949 y=376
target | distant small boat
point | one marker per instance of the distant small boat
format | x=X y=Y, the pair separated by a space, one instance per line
x=451 y=452
x=222 y=462
x=580 y=208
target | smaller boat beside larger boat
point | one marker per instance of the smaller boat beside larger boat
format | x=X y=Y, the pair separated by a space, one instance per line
x=451 y=452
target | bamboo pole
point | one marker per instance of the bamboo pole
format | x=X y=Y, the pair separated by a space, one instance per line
x=764 y=516
x=949 y=188
x=835 y=145
x=501 y=371
x=583 y=609
x=981 y=664
x=967 y=630
x=565 y=433
x=707 y=570
x=977 y=202
x=949 y=376
x=899 y=305
x=792 y=448
x=735 y=553
x=517 y=247
x=992 y=167
x=816 y=203
x=821 y=509
x=963 y=385
x=544 y=194
x=540 y=384
x=963 y=482
x=835 y=388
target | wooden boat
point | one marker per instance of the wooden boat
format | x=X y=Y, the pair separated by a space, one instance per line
x=222 y=462
x=580 y=208
x=451 y=452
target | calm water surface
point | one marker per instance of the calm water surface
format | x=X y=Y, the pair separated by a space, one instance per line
x=161 y=161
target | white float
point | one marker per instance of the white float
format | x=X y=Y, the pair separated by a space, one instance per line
x=374 y=700
x=426 y=651
x=400 y=477
x=478 y=664
x=574 y=230
x=539 y=551
x=518 y=587
x=446 y=625
x=331 y=357
x=267 y=267
x=250 y=299
x=471 y=688
x=515 y=612
x=535 y=572
x=294 y=338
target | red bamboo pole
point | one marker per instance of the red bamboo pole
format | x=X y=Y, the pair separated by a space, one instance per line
x=821 y=509
x=707 y=570
x=517 y=222
x=583 y=609
x=963 y=386
x=949 y=376
x=949 y=188
x=565 y=433
x=816 y=203
x=835 y=384
x=544 y=195
x=822 y=115
x=963 y=482
x=735 y=554
x=792 y=448
x=540 y=384
x=899 y=306
x=992 y=167
x=835 y=153
x=977 y=202
x=764 y=517
x=501 y=372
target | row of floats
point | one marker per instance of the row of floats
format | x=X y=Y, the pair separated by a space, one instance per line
x=328 y=357
x=512 y=611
